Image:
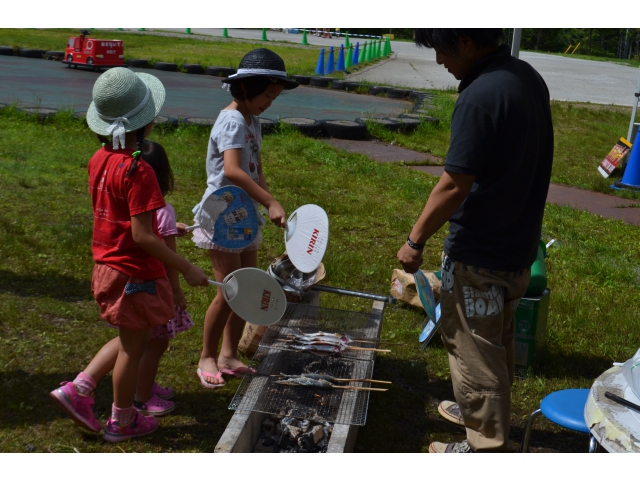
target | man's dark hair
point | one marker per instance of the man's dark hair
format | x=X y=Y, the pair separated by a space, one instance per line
x=446 y=39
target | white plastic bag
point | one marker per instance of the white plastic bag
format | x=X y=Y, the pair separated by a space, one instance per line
x=631 y=373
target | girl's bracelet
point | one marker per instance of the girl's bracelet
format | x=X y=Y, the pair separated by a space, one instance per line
x=415 y=246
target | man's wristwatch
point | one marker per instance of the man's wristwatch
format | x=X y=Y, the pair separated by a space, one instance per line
x=415 y=246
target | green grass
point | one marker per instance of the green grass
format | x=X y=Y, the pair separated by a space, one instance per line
x=51 y=327
x=174 y=47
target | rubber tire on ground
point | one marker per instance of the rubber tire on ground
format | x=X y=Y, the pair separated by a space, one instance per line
x=406 y=124
x=220 y=71
x=69 y=58
x=377 y=90
x=192 y=68
x=200 y=121
x=54 y=55
x=267 y=125
x=345 y=129
x=320 y=81
x=166 y=66
x=32 y=53
x=338 y=85
x=41 y=113
x=385 y=122
x=138 y=63
x=306 y=126
x=415 y=96
x=301 y=79
x=397 y=93
x=5 y=50
x=351 y=86
x=165 y=120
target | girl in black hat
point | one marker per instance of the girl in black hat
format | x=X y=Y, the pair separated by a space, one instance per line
x=233 y=158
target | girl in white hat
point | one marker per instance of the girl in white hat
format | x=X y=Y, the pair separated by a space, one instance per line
x=233 y=158
x=129 y=279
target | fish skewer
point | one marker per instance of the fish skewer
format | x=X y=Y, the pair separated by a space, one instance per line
x=329 y=378
x=302 y=381
x=328 y=349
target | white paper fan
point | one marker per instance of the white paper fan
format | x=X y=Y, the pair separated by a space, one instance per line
x=306 y=237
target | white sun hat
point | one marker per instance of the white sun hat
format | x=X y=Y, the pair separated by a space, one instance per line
x=124 y=101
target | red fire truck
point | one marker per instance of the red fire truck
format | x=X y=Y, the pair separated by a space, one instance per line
x=94 y=53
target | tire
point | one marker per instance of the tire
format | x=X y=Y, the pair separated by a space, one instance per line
x=166 y=66
x=163 y=120
x=4 y=50
x=376 y=90
x=306 y=126
x=41 y=113
x=89 y=61
x=138 y=63
x=301 y=79
x=195 y=68
x=32 y=53
x=406 y=124
x=338 y=85
x=320 y=81
x=69 y=58
x=267 y=125
x=220 y=71
x=351 y=86
x=345 y=129
x=200 y=121
x=397 y=93
x=54 y=55
x=416 y=96
x=385 y=122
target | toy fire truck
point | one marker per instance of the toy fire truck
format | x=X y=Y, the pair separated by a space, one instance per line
x=94 y=53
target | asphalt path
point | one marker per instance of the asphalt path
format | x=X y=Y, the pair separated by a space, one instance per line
x=49 y=84
x=410 y=66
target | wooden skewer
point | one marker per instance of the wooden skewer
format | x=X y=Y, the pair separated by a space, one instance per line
x=361 y=388
x=368 y=349
x=377 y=341
x=370 y=380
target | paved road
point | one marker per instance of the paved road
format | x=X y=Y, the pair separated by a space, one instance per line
x=50 y=84
x=411 y=66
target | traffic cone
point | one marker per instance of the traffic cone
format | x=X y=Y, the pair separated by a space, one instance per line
x=348 y=61
x=264 y=35
x=330 y=62
x=368 y=54
x=304 y=37
x=346 y=41
x=389 y=51
x=631 y=176
x=363 y=53
x=340 y=66
x=356 y=53
x=378 y=49
x=225 y=33
x=320 y=65
x=188 y=31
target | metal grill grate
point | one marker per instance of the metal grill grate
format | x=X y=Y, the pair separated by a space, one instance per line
x=259 y=392
x=310 y=319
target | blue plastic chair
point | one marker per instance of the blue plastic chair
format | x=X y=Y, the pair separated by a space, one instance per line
x=564 y=408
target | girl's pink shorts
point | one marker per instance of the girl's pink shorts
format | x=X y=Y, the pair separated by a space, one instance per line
x=135 y=311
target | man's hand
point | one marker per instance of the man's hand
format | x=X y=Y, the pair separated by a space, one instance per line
x=410 y=258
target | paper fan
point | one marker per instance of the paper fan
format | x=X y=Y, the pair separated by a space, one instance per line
x=306 y=236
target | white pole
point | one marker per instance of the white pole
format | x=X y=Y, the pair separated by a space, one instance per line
x=515 y=45
x=633 y=113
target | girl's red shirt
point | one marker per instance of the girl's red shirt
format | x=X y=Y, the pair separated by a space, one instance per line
x=116 y=199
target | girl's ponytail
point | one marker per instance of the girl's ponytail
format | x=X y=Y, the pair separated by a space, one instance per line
x=136 y=154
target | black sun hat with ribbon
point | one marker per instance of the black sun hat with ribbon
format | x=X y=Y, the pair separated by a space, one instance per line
x=124 y=101
x=262 y=62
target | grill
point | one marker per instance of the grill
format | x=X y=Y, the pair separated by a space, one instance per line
x=258 y=392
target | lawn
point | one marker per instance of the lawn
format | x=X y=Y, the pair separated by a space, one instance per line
x=51 y=325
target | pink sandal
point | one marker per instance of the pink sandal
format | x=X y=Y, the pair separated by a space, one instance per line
x=206 y=384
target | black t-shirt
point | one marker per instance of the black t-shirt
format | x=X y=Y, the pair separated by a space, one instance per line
x=501 y=132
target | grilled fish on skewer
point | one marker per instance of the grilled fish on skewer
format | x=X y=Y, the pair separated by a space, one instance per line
x=310 y=382
x=329 y=378
x=331 y=337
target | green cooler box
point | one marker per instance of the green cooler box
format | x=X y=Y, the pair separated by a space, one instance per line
x=531 y=331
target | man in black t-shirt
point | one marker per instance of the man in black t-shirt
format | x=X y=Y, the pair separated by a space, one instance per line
x=492 y=192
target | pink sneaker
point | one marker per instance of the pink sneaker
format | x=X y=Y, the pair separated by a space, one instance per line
x=78 y=407
x=138 y=426
x=165 y=393
x=155 y=406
